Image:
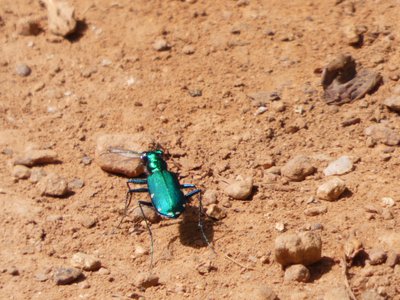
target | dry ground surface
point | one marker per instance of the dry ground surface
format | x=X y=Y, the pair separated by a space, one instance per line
x=108 y=78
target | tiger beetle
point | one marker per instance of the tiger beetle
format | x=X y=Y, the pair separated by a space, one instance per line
x=165 y=191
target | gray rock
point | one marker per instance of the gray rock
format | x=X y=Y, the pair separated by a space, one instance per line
x=61 y=18
x=381 y=134
x=316 y=210
x=298 y=168
x=86 y=160
x=240 y=188
x=144 y=280
x=377 y=256
x=216 y=212
x=331 y=190
x=85 y=261
x=23 y=70
x=303 y=248
x=125 y=163
x=393 y=103
x=32 y=158
x=297 y=273
x=41 y=276
x=388 y=202
x=64 y=276
x=340 y=166
x=21 y=172
x=53 y=185
x=161 y=45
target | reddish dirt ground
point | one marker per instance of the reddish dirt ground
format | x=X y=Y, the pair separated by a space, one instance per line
x=108 y=78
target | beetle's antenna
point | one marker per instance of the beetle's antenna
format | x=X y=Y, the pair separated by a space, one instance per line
x=151 y=236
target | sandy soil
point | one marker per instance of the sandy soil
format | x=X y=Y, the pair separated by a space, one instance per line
x=108 y=78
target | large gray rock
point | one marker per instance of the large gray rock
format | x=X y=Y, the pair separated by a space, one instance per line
x=298 y=168
x=303 y=248
x=340 y=166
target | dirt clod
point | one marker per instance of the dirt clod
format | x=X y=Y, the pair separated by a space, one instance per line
x=298 y=168
x=53 y=185
x=297 y=273
x=85 y=261
x=32 y=158
x=303 y=248
x=240 y=188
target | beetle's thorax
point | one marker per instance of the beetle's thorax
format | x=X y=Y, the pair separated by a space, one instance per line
x=155 y=163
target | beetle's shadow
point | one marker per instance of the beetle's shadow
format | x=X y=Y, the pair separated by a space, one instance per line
x=189 y=231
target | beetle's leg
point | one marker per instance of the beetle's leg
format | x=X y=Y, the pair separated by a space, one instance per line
x=201 y=212
x=187 y=185
x=148 y=228
x=138 y=190
x=138 y=180
x=128 y=200
x=192 y=193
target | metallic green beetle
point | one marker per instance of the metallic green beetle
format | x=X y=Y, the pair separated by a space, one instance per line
x=164 y=189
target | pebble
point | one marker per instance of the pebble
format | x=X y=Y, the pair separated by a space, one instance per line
x=195 y=93
x=67 y=275
x=161 y=45
x=302 y=248
x=387 y=201
x=340 y=166
x=103 y=271
x=280 y=227
x=149 y=212
x=298 y=273
x=351 y=35
x=209 y=197
x=36 y=175
x=216 y=212
x=393 y=103
x=261 y=110
x=88 y=221
x=316 y=210
x=331 y=190
x=351 y=121
x=75 y=184
x=33 y=157
x=41 y=276
x=392 y=259
x=53 y=185
x=13 y=271
x=241 y=188
x=337 y=293
x=188 y=49
x=86 y=160
x=382 y=134
x=85 y=261
x=145 y=280
x=262 y=98
x=23 y=70
x=377 y=256
x=21 y=172
x=117 y=163
x=140 y=251
x=61 y=17
x=28 y=26
x=298 y=168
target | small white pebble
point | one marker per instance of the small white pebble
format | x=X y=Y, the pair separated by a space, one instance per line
x=387 y=201
x=280 y=227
